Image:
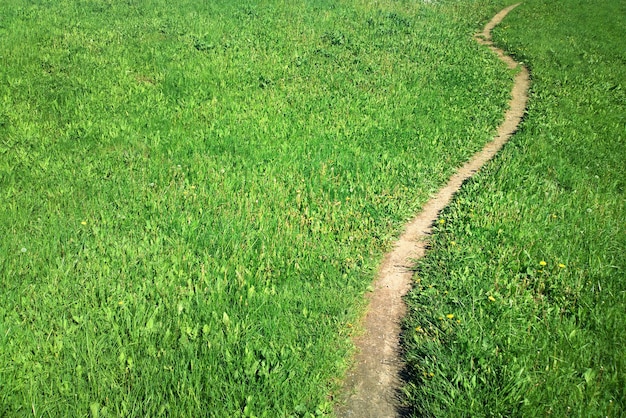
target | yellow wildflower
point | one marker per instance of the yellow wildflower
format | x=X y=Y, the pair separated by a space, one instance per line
x=450 y=316
x=491 y=298
x=561 y=265
x=543 y=263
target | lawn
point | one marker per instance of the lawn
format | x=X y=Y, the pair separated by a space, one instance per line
x=194 y=198
x=519 y=309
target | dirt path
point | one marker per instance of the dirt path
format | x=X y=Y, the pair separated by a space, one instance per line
x=371 y=387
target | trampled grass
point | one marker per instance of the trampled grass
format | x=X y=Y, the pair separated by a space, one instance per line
x=194 y=194
x=520 y=307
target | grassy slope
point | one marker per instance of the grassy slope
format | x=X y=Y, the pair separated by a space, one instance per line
x=529 y=259
x=194 y=197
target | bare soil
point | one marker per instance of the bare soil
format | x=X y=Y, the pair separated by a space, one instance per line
x=371 y=387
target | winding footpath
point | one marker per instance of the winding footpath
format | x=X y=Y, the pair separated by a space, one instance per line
x=371 y=387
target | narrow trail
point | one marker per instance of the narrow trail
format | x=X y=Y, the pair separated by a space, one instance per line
x=371 y=387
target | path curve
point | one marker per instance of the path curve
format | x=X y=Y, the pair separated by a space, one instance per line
x=371 y=387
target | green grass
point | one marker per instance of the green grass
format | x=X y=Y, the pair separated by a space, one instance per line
x=195 y=196
x=528 y=260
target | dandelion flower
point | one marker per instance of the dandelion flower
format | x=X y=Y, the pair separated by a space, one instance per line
x=442 y=221
x=561 y=265
x=450 y=316
x=491 y=298
x=83 y=223
x=543 y=263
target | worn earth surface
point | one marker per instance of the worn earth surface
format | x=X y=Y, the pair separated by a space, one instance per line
x=371 y=388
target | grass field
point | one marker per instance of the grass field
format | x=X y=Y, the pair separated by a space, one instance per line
x=520 y=307
x=194 y=195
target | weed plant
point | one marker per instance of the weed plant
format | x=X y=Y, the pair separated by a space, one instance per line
x=194 y=194
x=519 y=309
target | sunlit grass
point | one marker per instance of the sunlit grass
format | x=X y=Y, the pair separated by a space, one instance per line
x=529 y=256
x=195 y=195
